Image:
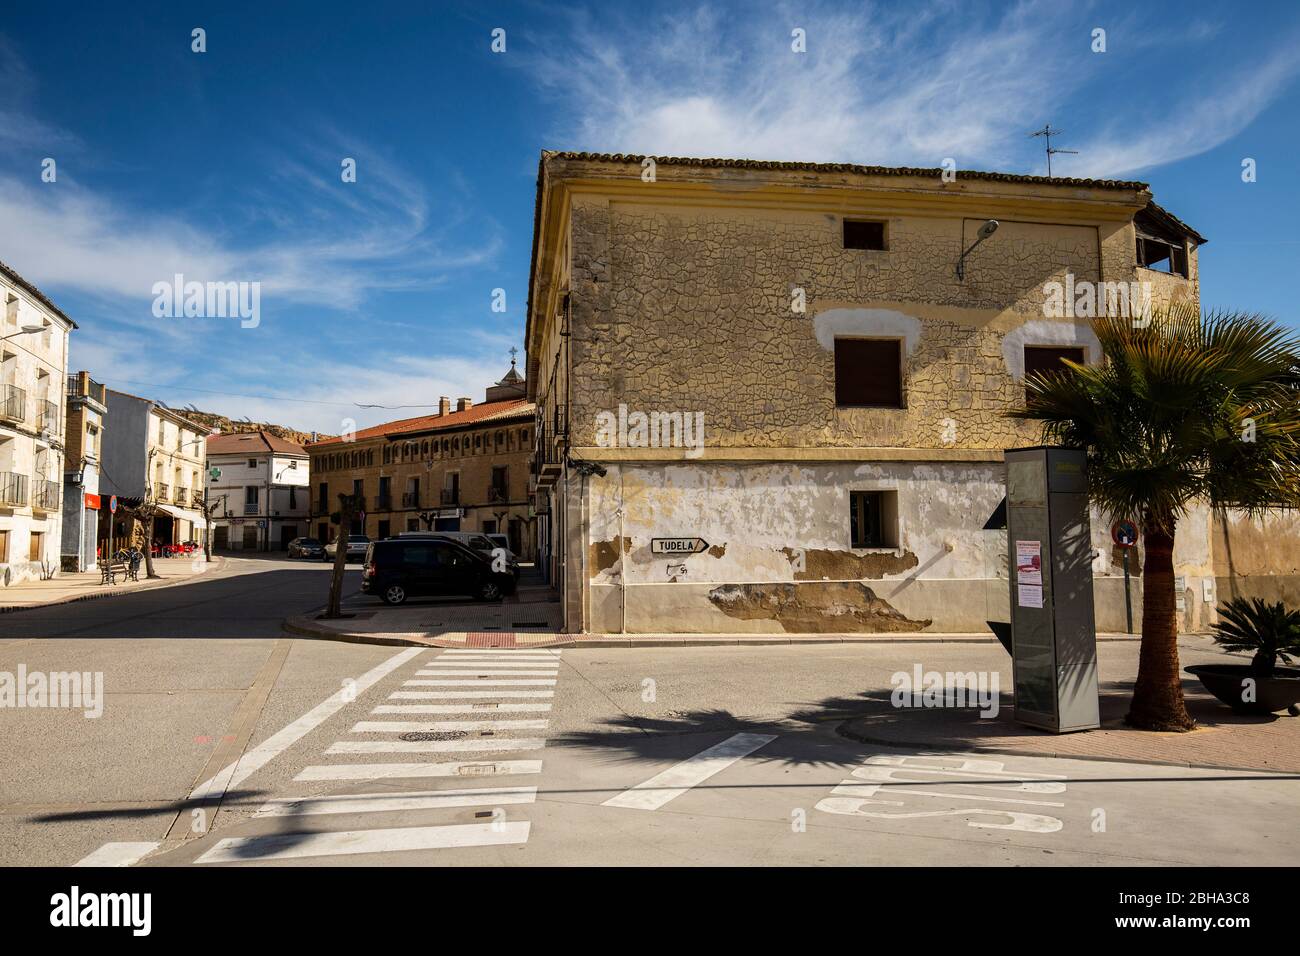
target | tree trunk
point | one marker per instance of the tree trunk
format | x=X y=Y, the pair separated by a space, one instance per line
x=1158 y=694
x=346 y=512
x=148 y=549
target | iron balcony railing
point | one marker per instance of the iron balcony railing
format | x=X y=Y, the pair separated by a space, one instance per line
x=13 y=489
x=410 y=499
x=250 y=507
x=162 y=492
x=450 y=496
x=496 y=493
x=384 y=503
x=182 y=496
x=13 y=403
x=45 y=495
x=47 y=416
x=93 y=390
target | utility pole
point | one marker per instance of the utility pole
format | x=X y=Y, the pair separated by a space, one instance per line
x=1047 y=133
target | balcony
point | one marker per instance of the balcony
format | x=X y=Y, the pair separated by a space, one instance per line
x=13 y=404
x=89 y=388
x=547 y=460
x=182 y=496
x=449 y=496
x=45 y=496
x=250 y=507
x=162 y=492
x=410 y=499
x=384 y=502
x=13 y=490
x=47 y=416
x=496 y=493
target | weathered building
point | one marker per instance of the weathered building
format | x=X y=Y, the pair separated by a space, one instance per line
x=33 y=365
x=150 y=451
x=808 y=368
x=462 y=469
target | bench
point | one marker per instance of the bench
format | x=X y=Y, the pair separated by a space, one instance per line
x=109 y=570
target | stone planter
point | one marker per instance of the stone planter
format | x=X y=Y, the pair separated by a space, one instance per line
x=1272 y=694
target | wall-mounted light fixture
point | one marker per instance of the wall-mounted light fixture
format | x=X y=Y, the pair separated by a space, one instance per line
x=986 y=230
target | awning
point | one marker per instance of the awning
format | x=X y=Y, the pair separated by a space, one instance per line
x=185 y=514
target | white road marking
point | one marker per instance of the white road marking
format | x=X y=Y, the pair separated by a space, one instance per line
x=498 y=651
x=388 y=802
x=474 y=671
x=413 y=726
x=466 y=708
x=291 y=846
x=679 y=778
x=118 y=854
x=465 y=694
x=380 y=771
x=514 y=656
x=478 y=683
x=499 y=744
x=253 y=760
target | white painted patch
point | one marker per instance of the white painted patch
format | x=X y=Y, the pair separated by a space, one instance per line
x=866 y=323
x=474 y=745
x=381 y=771
x=1045 y=332
x=473 y=672
x=387 y=802
x=435 y=667
x=679 y=778
x=293 y=846
x=118 y=854
x=276 y=744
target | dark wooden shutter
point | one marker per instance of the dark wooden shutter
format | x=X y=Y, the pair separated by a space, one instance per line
x=869 y=372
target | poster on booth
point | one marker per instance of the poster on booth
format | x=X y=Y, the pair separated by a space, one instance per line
x=1029 y=573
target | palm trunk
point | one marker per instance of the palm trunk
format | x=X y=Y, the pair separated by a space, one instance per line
x=1158 y=694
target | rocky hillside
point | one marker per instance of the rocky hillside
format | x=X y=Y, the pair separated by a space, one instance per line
x=232 y=427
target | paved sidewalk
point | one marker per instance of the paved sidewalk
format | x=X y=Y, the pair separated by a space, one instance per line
x=68 y=587
x=1223 y=739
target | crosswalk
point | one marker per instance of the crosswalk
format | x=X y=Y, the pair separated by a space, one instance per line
x=476 y=713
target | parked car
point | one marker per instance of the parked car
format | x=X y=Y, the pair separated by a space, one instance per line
x=420 y=565
x=476 y=541
x=356 y=546
x=305 y=548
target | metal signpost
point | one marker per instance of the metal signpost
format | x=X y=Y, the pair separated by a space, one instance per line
x=1125 y=534
x=1053 y=631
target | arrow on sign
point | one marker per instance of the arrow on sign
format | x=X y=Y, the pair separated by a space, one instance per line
x=678 y=545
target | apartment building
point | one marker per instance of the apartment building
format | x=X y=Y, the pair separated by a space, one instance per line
x=262 y=486
x=33 y=365
x=151 y=451
x=462 y=469
x=83 y=435
x=771 y=396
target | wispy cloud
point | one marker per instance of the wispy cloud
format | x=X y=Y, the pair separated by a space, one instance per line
x=886 y=84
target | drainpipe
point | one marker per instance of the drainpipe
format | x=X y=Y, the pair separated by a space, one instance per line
x=622 y=555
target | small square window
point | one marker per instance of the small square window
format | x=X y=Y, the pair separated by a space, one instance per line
x=869 y=373
x=252 y=463
x=863 y=234
x=873 y=519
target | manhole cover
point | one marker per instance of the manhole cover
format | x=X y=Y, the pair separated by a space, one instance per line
x=435 y=735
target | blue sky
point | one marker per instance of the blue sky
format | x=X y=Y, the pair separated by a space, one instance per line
x=225 y=165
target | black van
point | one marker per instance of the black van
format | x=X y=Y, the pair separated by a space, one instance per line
x=398 y=568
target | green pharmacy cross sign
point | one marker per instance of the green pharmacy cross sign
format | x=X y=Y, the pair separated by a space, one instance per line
x=214 y=473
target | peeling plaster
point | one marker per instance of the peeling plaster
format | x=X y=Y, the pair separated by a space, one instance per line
x=840 y=565
x=821 y=608
x=880 y=322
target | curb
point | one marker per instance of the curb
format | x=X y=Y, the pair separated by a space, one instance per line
x=844 y=731
x=101 y=595
x=304 y=628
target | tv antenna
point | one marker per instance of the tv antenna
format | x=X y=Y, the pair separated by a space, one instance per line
x=1047 y=133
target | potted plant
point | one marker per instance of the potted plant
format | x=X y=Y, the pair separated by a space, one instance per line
x=1273 y=634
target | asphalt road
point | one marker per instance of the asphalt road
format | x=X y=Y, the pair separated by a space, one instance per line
x=297 y=752
x=245 y=597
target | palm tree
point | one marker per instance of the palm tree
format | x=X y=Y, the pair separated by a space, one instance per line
x=1186 y=409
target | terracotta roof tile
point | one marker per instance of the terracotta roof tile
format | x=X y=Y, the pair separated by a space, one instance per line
x=252 y=443
x=474 y=415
